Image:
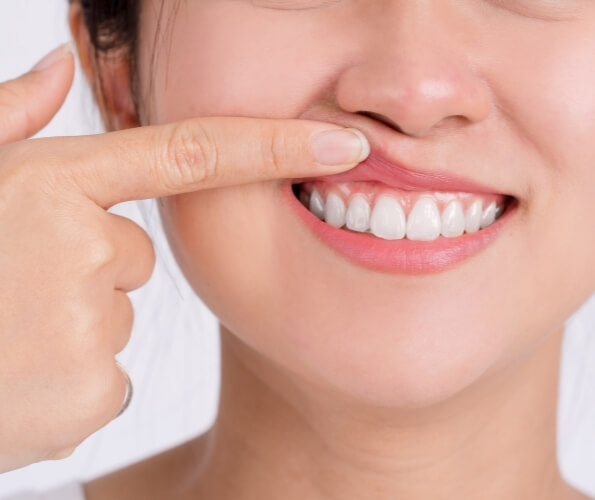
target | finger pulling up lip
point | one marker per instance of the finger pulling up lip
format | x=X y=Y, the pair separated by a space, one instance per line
x=378 y=167
x=442 y=218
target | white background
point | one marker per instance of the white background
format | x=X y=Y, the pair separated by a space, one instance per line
x=173 y=353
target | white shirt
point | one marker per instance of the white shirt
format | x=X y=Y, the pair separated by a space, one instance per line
x=69 y=491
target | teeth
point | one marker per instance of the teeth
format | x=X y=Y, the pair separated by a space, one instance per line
x=453 y=220
x=357 y=217
x=317 y=204
x=473 y=217
x=388 y=219
x=304 y=198
x=423 y=223
x=489 y=215
x=335 y=210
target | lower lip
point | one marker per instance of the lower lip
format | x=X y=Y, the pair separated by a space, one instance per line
x=398 y=256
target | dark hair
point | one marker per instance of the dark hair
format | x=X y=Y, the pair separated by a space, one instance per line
x=112 y=24
x=113 y=27
x=113 y=31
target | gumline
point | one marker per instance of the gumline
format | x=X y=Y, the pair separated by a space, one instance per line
x=371 y=191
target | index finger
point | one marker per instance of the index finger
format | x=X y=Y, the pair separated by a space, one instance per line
x=201 y=153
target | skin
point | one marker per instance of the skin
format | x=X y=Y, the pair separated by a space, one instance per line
x=67 y=263
x=341 y=382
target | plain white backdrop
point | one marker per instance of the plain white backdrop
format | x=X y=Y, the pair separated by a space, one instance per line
x=173 y=355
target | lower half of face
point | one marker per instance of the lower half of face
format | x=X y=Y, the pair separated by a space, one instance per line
x=330 y=280
x=386 y=338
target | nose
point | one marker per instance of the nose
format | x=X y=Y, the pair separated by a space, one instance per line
x=415 y=73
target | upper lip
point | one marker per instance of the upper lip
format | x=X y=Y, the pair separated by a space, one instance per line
x=378 y=167
x=384 y=167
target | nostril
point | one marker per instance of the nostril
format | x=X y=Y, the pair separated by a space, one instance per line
x=381 y=118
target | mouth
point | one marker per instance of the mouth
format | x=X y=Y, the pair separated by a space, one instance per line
x=389 y=218
x=391 y=214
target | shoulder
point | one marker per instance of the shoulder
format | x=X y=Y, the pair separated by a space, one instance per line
x=156 y=477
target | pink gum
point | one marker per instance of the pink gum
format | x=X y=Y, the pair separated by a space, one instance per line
x=372 y=190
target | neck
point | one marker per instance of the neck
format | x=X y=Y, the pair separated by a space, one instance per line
x=277 y=437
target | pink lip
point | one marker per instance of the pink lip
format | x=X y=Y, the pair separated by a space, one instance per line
x=378 y=167
x=398 y=256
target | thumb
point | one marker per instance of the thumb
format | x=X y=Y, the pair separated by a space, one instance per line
x=29 y=102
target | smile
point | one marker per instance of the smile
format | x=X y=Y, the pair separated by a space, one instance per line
x=391 y=214
x=390 y=218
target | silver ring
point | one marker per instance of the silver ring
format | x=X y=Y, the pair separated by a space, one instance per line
x=129 y=390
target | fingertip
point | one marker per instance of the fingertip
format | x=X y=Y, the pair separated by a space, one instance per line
x=340 y=147
x=35 y=97
x=55 y=56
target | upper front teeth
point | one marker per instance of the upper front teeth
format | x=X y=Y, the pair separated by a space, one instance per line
x=334 y=210
x=423 y=223
x=387 y=219
x=357 y=217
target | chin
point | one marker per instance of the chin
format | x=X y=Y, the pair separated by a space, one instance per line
x=389 y=364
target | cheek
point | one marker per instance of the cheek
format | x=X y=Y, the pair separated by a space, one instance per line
x=546 y=96
x=224 y=240
x=242 y=63
x=546 y=99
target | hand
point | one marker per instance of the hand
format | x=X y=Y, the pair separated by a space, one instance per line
x=66 y=263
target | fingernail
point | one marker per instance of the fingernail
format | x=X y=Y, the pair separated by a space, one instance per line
x=340 y=147
x=53 y=57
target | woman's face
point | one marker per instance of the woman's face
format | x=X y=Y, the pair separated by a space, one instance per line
x=499 y=92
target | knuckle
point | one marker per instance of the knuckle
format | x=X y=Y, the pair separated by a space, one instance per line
x=99 y=394
x=190 y=156
x=95 y=248
x=147 y=265
x=125 y=320
x=148 y=257
x=274 y=150
x=62 y=454
x=128 y=312
x=141 y=256
x=99 y=252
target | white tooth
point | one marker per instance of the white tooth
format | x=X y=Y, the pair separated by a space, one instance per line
x=424 y=223
x=317 y=204
x=489 y=215
x=357 y=217
x=473 y=217
x=388 y=219
x=499 y=210
x=335 y=210
x=453 y=220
